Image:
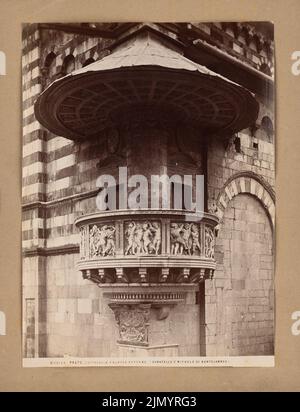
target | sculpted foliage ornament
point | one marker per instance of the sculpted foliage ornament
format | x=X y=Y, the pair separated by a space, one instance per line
x=133 y=321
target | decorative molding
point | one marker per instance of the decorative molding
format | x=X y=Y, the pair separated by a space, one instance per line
x=50 y=203
x=149 y=273
x=60 y=250
x=249 y=183
x=254 y=176
x=158 y=213
x=167 y=296
x=132 y=312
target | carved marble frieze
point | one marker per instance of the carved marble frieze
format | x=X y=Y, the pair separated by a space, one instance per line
x=146 y=247
x=142 y=237
x=102 y=240
x=209 y=245
x=185 y=238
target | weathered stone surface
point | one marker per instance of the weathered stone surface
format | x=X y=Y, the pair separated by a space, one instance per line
x=244 y=289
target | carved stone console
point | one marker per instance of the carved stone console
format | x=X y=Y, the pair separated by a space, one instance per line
x=133 y=321
x=132 y=312
x=144 y=311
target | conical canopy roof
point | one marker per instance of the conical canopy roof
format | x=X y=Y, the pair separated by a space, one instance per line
x=144 y=70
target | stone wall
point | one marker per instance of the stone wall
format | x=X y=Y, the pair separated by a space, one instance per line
x=242 y=42
x=79 y=323
x=239 y=303
x=240 y=300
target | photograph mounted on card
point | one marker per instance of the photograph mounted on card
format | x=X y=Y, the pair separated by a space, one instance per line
x=148 y=201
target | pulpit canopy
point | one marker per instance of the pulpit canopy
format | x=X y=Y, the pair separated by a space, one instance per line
x=144 y=70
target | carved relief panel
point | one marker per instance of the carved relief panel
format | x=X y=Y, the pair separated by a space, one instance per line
x=209 y=248
x=185 y=238
x=102 y=240
x=133 y=322
x=142 y=237
x=145 y=238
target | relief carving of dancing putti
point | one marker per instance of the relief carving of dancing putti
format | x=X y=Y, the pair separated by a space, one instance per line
x=102 y=240
x=185 y=239
x=143 y=238
x=209 y=243
x=195 y=239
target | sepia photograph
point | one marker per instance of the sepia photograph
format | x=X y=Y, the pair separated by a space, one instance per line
x=148 y=194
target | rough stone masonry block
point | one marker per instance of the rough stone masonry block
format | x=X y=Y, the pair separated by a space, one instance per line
x=211 y=313
x=71 y=305
x=60 y=278
x=98 y=331
x=61 y=305
x=51 y=304
x=59 y=317
x=84 y=305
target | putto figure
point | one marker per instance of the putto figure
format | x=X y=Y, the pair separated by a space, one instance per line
x=138 y=239
x=129 y=233
x=195 y=239
x=102 y=241
x=143 y=238
x=177 y=240
x=110 y=240
x=184 y=239
x=209 y=243
x=156 y=238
